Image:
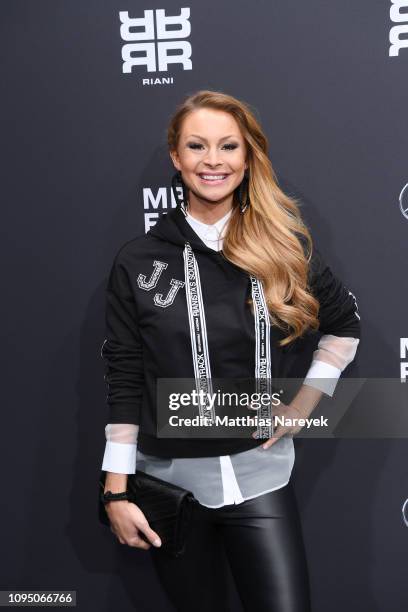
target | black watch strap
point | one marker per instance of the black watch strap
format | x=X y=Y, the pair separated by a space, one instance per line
x=109 y=496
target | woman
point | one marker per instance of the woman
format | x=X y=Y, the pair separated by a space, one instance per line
x=235 y=261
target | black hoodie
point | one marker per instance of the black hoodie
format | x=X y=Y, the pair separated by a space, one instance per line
x=150 y=318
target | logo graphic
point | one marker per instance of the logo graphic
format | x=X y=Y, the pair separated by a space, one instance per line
x=151 y=43
x=158 y=266
x=175 y=285
x=398 y=33
x=169 y=299
x=157 y=202
x=403 y=356
x=403 y=199
x=405 y=512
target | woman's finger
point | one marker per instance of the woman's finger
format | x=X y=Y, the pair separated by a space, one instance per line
x=278 y=433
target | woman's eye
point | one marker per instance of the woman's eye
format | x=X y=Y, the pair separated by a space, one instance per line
x=196 y=145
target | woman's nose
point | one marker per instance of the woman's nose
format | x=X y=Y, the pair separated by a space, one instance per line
x=213 y=157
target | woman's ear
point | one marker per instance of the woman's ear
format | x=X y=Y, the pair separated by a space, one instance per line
x=175 y=159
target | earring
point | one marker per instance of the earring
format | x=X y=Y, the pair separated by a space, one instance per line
x=243 y=192
x=182 y=202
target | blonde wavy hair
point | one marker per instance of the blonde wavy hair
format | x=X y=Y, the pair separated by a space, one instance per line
x=266 y=241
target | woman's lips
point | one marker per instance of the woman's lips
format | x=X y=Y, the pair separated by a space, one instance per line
x=212 y=181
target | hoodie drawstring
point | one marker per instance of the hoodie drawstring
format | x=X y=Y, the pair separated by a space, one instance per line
x=199 y=344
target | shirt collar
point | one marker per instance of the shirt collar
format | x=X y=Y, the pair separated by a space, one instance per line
x=209 y=231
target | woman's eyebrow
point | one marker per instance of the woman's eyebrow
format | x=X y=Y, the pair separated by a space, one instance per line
x=201 y=138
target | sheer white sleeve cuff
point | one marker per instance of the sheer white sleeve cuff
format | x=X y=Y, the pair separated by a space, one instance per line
x=120 y=448
x=322 y=376
x=125 y=433
x=333 y=355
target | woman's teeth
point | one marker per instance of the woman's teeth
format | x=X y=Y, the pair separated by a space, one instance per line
x=211 y=177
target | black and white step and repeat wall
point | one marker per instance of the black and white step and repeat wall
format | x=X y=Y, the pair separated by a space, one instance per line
x=87 y=90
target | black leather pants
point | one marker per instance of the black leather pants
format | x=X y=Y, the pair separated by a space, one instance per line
x=260 y=539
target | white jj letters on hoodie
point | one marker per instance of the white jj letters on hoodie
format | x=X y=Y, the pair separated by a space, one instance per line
x=175 y=285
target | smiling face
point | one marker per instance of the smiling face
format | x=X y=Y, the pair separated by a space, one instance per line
x=211 y=156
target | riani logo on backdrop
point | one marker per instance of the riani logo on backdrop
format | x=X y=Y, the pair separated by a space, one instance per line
x=160 y=40
x=156 y=203
x=398 y=32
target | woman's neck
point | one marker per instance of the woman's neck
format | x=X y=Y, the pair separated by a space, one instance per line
x=208 y=213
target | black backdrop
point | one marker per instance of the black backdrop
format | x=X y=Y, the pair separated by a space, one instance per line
x=84 y=157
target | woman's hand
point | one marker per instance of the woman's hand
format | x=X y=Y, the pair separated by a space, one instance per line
x=301 y=407
x=289 y=412
x=130 y=525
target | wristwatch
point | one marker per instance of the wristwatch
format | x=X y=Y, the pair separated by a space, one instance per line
x=109 y=496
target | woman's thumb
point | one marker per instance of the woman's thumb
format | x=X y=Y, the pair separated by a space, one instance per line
x=151 y=535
